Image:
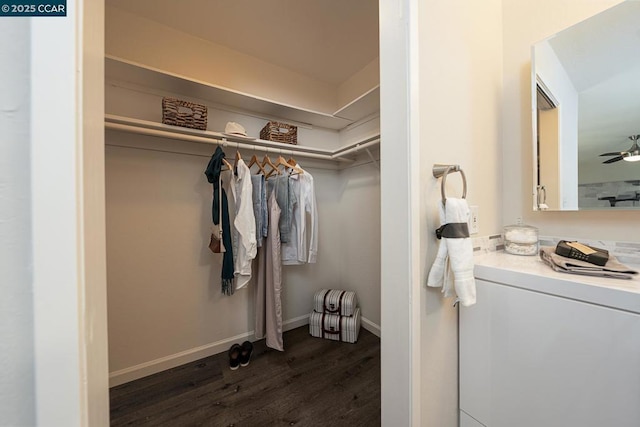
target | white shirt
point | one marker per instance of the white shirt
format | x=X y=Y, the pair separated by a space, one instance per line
x=296 y=251
x=244 y=225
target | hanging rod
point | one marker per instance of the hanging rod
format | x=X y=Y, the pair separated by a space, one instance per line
x=441 y=171
x=145 y=127
x=355 y=147
x=223 y=142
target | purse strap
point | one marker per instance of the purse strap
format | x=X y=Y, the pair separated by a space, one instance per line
x=220 y=206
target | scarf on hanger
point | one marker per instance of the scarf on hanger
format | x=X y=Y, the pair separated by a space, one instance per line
x=212 y=172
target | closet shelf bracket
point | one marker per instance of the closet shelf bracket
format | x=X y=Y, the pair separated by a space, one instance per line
x=373 y=159
x=355 y=147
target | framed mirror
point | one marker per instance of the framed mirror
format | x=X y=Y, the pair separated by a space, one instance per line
x=586 y=113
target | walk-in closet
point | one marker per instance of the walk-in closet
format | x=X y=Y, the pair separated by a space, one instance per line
x=311 y=64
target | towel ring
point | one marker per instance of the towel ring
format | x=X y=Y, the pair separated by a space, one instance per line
x=441 y=171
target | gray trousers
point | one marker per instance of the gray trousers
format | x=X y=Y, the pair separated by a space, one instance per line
x=268 y=303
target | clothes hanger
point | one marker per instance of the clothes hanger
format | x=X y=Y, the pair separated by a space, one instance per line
x=282 y=162
x=286 y=165
x=238 y=157
x=266 y=161
x=224 y=161
x=291 y=160
x=227 y=164
x=254 y=161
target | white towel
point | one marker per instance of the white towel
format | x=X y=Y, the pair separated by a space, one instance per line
x=453 y=267
x=440 y=265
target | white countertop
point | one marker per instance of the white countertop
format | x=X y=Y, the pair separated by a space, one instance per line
x=531 y=273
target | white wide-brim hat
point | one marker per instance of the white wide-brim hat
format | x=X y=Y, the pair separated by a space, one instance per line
x=233 y=128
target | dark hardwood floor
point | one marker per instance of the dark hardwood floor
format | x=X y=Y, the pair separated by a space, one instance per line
x=314 y=382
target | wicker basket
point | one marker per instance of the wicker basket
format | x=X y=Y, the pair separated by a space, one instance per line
x=280 y=132
x=182 y=113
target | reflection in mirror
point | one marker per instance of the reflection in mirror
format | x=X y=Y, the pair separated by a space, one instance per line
x=586 y=113
x=548 y=146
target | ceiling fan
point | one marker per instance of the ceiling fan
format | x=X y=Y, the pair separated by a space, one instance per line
x=630 y=155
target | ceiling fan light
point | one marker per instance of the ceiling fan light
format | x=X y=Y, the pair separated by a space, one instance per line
x=632 y=156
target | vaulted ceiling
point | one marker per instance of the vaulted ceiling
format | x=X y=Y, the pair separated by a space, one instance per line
x=328 y=40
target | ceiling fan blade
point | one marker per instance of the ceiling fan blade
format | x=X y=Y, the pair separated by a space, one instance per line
x=615 y=159
x=616 y=153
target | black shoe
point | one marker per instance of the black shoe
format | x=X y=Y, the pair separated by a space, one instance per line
x=234 y=356
x=245 y=353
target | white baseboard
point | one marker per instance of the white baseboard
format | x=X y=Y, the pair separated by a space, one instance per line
x=370 y=326
x=296 y=322
x=158 y=365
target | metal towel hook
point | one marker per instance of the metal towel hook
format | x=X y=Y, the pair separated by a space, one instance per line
x=441 y=171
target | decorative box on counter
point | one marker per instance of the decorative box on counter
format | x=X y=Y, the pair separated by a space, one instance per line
x=186 y=114
x=279 y=132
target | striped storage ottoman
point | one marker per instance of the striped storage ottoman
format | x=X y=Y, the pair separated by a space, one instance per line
x=335 y=315
x=335 y=301
x=334 y=326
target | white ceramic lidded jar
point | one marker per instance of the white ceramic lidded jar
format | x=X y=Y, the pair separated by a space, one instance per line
x=520 y=239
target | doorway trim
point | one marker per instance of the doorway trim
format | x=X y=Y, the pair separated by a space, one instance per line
x=400 y=183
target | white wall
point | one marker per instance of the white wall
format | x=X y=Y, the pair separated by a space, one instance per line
x=525 y=23
x=17 y=388
x=359 y=221
x=358 y=192
x=460 y=106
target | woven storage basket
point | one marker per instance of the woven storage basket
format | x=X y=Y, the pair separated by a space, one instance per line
x=182 y=113
x=280 y=132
